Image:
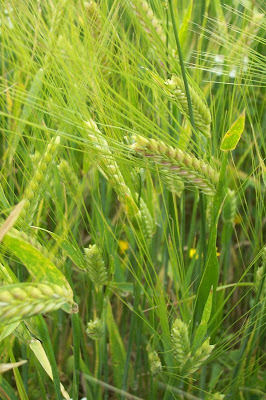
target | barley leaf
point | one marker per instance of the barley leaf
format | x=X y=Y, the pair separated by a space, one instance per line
x=232 y=137
x=117 y=349
x=7 y=330
x=202 y=328
x=40 y=267
x=7 y=390
x=41 y=356
x=183 y=31
x=74 y=253
x=11 y=219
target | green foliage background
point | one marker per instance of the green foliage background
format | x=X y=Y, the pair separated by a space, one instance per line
x=64 y=63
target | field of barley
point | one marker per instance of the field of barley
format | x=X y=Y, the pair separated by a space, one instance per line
x=132 y=200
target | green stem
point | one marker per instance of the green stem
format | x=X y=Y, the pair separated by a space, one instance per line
x=76 y=345
x=45 y=338
x=244 y=345
x=182 y=65
x=137 y=291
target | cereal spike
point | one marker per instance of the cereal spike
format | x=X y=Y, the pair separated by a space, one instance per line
x=148 y=20
x=68 y=176
x=95 y=266
x=201 y=112
x=229 y=211
x=140 y=216
x=201 y=355
x=95 y=329
x=155 y=362
x=173 y=183
x=180 y=341
x=186 y=166
x=23 y=300
x=32 y=193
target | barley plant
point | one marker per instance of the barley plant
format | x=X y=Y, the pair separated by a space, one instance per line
x=132 y=199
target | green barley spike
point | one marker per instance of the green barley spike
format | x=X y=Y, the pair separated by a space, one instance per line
x=148 y=19
x=95 y=329
x=33 y=191
x=173 y=183
x=23 y=300
x=155 y=362
x=180 y=341
x=201 y=355
x=146 y=220
x=202 y=116
x=230 y=207
x=96 y=266
x=68 y=176
x=140 y=216
x=186 y=166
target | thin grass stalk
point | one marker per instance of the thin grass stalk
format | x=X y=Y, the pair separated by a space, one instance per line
x=182 y=65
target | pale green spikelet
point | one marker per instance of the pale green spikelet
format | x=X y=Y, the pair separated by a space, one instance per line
x=140 y=216
x=95 y=329
x=146 y=220
x=154 y=361
x=180 y=340
x=68 y=177
x=260 y=275
x=95 y=265
x=201 y=113
x=173 y=183
x=35 y=158
x=201 y=355
x=108 y=164
x=23 y=300
x=230 y=207
x=32 y=193
x=186 y=166
x=209 y=209
x=148 y=20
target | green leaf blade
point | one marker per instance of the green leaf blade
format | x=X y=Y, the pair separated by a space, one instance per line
x=233 y=135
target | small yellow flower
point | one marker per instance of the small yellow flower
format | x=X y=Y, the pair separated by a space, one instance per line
x=192 y=252
x=123 y=246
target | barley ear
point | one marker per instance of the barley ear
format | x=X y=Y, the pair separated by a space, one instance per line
x=33 y=191
x=68 y=176
x=180 y=341
x=201 y=355
x=202 y=116
x=148 y=20
x=23 y=300
x=96 y=266
x=95 y=329
x=230 y=208
x=186 y=166
x=155 y=362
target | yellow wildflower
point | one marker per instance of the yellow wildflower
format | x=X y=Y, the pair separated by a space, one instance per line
x=123 y=246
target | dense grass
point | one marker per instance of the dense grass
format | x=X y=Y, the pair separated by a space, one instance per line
x=135 y=266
